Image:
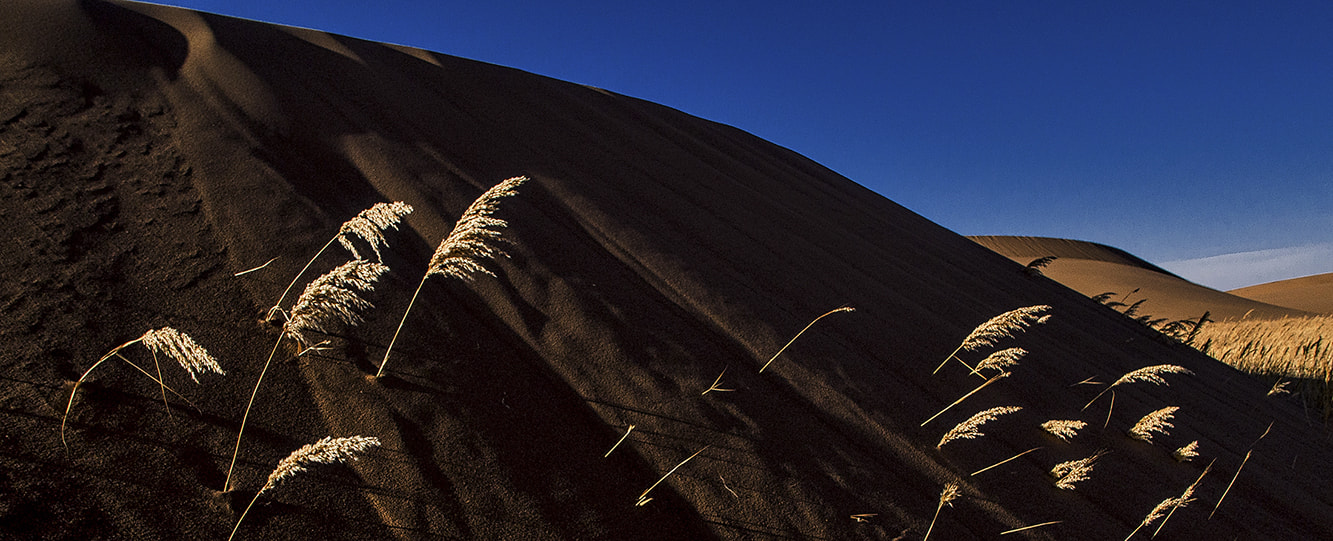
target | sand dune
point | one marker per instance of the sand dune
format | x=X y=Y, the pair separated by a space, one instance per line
x=149 y=153
x=1093 y=269
x=1310 y=293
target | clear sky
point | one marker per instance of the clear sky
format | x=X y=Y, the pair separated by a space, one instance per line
x=1178 y=131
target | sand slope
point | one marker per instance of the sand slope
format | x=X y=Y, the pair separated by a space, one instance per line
x=1309 y=293
x=150 y=153
x=1093 y=269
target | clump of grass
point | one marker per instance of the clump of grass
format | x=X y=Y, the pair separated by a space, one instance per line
x=1296 y=348
x=1063 y=429
x=1073 y=471
x=167 y=341
x=1157 y=421
x=1186 y=453
x=798 y=335
x=1000 y=360
x=329 y=450
x=1149 y=374
x=460 y=253
x=971 y=428
x=331 y=299
x=369 y=226
x=997 y=328
x=947 y=496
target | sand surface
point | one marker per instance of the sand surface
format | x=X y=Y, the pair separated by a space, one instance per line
x=149 y=153
x=1309 y=293
x=1093 y=269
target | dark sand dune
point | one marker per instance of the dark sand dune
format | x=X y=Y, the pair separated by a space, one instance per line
x=1309 y=293
x=149 y=153
x=1093 y=269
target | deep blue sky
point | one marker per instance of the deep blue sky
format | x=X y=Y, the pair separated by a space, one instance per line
x=1174 y=130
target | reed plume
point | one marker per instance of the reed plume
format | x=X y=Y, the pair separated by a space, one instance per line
x=1184 y=499
x=369 y=226
x=167 y=341
x=1063 y=429
x=1000 y=360
x=329 y=450
x=459 y=254
x=1073 y=471
x=798 y=335
x=1187 y=453
x=947 y=496
x=1149 y=374
x=1157 y=421
x=970 y=428
x=330 y=299
x=997 y=328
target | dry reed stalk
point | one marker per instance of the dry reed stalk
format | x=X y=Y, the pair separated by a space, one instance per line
x=970 y=428
x=1157 y=421
x=619 y=441
x=997 y=328
x=798 y=335
x=947 y=496
x=1237 y=475
x=1187 y=453
x=643 y=499
x=368 y=225
x=993 y=379
x=330 y=299
x=1032 y=527
x=714 y=386
x=473 y=238
x=1184 y=499
x=1063 y=429
x=997 y=464
x=1073 y=471
x=168 y=341
x=1000 y=360
x=1149 y=374
x=329 y=450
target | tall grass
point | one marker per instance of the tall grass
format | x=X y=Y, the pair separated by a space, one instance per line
x=1299 y=348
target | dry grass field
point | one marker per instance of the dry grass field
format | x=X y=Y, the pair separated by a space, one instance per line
x=1294 y=351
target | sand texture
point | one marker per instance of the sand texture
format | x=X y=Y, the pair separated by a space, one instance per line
x=147 y=154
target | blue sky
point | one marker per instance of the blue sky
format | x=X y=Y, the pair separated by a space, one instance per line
x=1179 y=131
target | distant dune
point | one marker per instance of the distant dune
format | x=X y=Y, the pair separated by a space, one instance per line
x=1093 y=269
x=1310 y=293
x=150 y=154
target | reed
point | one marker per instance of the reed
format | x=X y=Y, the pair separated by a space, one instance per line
x=368 y=225
x=1157 y=421
x=167 y=341
x=798 y=335
x=947 y=496
x=329 y=450
x=459 y=255
x=331 y=299
x=1068 y=473
x=1063 y=429
x=971 y=428
x=1149 y=374
x=997 y=328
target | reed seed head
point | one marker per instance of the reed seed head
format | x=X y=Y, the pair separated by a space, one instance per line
x=1157 y=421
x=326 y=451
x=178 y=345
x=1151 y=374
x=1004 y=326
x=949 y=494
x=1063 y=429
x=1073 y=471
x=969 y=429
x=370 y=225
x=473 y=237
x=333 y=298
x=1187 y=453
x=1001 y=359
